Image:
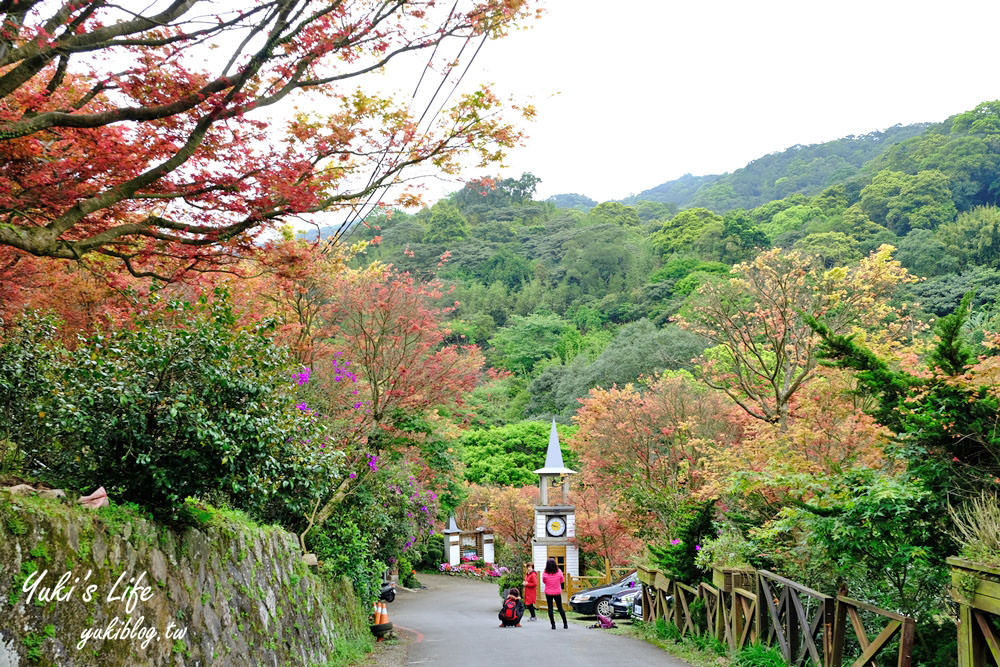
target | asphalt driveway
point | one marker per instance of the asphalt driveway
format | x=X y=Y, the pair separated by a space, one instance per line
x=453 y=622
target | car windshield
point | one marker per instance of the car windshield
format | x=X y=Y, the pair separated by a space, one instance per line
x=627 y=581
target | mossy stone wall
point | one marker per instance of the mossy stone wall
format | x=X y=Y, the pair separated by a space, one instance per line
x=231 y=592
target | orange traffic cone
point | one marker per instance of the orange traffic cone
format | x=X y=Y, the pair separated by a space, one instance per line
x=375 y=614
x=381 y=617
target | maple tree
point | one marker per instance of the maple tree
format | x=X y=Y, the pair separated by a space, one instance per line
x=389 y=325
x=600 y=529
x=827 y=435
x=511 y=514
x=158 y=136
x=764 y=349
x=948 y=414
x=471 y=512
x=293 y=281
x=383 y=328
x=643 y=450
x=379 y=364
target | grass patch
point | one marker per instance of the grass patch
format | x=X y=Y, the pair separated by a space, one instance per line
x=697 y=650
x=115 y=516
x=757 y=655
x=977 y=529
x=351 y=651
x=16 y=525
x=17 y=581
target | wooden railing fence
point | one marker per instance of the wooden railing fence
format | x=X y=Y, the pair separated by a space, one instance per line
x=797 y=617
x=611 y=574
x=807 y=627
x=848 y=609
x=746 y=619
x=976 y=589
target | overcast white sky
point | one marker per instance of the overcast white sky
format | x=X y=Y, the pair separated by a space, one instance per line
x=632 y=93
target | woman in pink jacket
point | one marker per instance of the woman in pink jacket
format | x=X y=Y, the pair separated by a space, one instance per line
x=552 y=579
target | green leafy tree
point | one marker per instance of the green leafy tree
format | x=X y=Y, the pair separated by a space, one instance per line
x=792 y=219
x=525 y=341
x=944 y=417
x=875 y=198
x=497 y=402
x=903 y=202
x=612 y=212
x=637 y=349
x=974 y=237
x=654 y=210
x=743 y=236
x=508 y=455
x=940 y=295
x=924 y=202
x=680 y=266
x=984 y=119
x=506 y=267
x=853 y=222
x=28 y=362
x=886 y=537
x=922 y=252
x=447 y=224
x=689 y=230
x=832 y=248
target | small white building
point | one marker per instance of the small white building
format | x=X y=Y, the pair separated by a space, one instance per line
x=475 y=544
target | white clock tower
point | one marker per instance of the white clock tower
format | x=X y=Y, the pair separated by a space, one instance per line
x=555 y=518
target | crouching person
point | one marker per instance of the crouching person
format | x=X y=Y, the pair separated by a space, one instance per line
x=512 y=609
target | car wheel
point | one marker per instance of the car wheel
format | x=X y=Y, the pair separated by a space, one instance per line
x=603 y=607
x=390 y=596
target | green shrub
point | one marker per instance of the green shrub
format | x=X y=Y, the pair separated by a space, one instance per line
x=29 y=355
x=977 y=529
x=344 y=551
x=431 y=553
x=406 y=576
x=666 y=630
x=698 y=613
x=180 y=402
x=757 y=655
x=510 y=580
x=676 y=556
x=729 y=549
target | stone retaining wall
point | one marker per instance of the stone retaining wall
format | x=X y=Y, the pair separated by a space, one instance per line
x=232 y=593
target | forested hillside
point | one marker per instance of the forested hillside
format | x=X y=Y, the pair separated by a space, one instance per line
x=566 y=300
x=796 y=170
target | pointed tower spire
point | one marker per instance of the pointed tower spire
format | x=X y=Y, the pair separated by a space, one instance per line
x=553 y=457
x=452 y=526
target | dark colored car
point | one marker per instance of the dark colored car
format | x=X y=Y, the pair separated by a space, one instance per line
x=598 y=600
x=627 y=604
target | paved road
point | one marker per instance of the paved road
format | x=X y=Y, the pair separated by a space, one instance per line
x=453 y=623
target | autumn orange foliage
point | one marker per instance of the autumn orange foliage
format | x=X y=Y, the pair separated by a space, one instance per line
x=123 y=133
x=764 y=349
x=826 y=434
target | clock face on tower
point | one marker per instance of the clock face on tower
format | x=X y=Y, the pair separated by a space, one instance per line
x=556 y=526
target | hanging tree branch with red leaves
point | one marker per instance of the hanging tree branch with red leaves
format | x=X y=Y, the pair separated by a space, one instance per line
x=146 y=135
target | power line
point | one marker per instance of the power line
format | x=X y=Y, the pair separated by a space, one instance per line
x=347 y=227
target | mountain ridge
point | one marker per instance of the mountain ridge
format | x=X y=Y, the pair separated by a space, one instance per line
x=804 y=169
